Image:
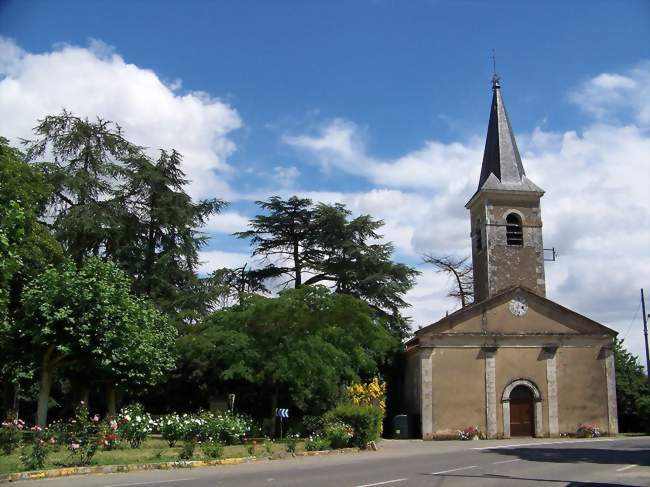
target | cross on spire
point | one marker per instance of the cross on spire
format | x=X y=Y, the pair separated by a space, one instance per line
x=495 y=76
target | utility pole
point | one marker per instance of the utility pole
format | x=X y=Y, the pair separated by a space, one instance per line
x=645 y=336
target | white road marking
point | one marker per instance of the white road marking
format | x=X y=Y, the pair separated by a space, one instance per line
x=507 y=461
x=625 y=468
x=565 y=442
x=383 y=483
x=453 y=470
x=150 y=483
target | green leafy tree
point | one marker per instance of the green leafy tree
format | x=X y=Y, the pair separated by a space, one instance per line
x=26 y=248
x=304 y=345
x=632 y=393
x=87 y=317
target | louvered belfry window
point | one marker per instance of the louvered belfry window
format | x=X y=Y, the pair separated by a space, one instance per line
x=514 y=232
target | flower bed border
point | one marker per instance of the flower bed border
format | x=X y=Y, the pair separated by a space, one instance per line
x=104 y=469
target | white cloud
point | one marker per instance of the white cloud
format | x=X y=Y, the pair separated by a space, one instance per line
x=596 y=210
x=226 y=222
x=95 y=81
x=611 y=94
x=285 y=176
x=216 y=259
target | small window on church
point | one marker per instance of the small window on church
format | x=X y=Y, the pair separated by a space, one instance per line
x=477 y=235
x=514 y=232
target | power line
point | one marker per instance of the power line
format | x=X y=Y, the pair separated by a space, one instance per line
x=632 y=322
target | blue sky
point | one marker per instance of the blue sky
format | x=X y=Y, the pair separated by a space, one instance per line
x=380 y=104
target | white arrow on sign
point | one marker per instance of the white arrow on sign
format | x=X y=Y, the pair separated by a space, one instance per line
x=282 y=413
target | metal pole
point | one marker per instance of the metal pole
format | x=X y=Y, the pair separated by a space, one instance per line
x=281 y=419
x=645 y=335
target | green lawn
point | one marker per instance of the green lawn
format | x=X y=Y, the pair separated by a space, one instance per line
x=152 y=451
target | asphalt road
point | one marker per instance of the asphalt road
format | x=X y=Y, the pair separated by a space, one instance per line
x=603 y=462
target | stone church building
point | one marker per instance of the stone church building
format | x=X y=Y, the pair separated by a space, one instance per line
x=514 y=363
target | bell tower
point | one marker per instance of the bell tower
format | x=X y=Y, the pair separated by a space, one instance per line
x=506 y=219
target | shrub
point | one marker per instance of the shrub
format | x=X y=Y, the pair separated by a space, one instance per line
x=250 y=448
x=372 y=393
x=317 y=443
x=172 y=428
x=10 y=435
x=643 y=406
x=187 y=452
x=82 y=435
x=225 y=428
x=366 y=421
x=313 y=425
x=134 y=424
x=268 y=446
x=33 y=456
x=292 y=442
x=339 y=434
x=212 y=449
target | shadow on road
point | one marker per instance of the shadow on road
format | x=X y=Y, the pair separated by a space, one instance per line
x=615 y=455
x=505 y=478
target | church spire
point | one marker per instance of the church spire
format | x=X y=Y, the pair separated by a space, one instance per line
x=502 y=168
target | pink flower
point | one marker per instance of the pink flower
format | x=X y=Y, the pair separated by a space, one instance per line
x=74 y=446
x=96 y=418
x=53 y=440
x=36 y=428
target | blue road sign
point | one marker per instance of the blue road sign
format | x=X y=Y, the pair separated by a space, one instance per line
x=282 y=413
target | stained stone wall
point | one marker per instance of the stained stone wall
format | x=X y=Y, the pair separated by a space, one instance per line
x=497 y=265
x=582 y=388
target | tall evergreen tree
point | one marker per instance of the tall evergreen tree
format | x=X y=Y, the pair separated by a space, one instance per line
x=111 y=200
x=158 y=235
x=321 y=244
x=87 y=159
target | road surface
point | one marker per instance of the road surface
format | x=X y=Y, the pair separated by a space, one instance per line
x=580 y=463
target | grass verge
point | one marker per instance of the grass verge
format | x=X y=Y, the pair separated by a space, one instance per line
x=153 y=450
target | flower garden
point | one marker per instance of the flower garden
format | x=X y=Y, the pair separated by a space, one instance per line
x=134 y=436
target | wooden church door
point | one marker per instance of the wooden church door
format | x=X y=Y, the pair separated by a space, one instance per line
x=522 y=412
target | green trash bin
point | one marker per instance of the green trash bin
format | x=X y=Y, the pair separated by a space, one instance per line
x=402 y=426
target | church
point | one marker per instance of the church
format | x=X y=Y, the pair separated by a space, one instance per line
x=513 y=363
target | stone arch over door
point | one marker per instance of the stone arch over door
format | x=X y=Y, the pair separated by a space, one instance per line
x=537 y=398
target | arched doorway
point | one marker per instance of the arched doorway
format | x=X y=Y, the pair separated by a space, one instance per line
x=522 y=412
x=522 y=409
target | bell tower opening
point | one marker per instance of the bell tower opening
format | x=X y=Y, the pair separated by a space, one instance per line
x=507 y=247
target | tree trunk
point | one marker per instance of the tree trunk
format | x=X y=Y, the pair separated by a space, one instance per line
x=15 y=408
x=296 y=263
x=43 y=395
x=111 y=400
x=5 y=407
x=274 y=405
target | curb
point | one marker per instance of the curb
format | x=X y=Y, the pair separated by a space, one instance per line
x=104 y=469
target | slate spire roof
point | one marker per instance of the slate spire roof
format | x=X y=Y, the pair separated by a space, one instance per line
x=502 y=168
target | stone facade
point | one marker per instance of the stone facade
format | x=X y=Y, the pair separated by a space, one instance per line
x=470 y=361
